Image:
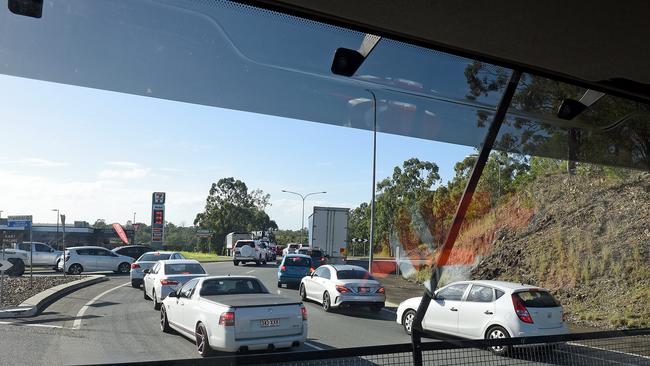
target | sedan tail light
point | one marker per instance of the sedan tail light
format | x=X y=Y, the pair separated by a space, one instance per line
x=227 y=319
x=303 y=310
x=342 y=289
x=135 y=266
x=166 y=282
x=311 y=270
x=283 y=268
x=381 y=290
x=520 y=310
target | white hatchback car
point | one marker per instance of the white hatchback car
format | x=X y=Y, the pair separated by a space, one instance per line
x=168 y=275
x=336 y=286
x=94 y=259
x=147 y=261
x=488 y=309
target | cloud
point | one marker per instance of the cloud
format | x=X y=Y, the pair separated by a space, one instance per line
x=34 y=162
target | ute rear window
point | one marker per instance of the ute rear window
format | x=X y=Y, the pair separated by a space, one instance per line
x=153 y=257
x=232 y=286
x=537 y=299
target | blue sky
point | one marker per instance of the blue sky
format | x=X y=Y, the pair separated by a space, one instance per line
x=98 y=154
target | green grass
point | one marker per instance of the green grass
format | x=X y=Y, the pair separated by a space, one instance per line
x=206 y=257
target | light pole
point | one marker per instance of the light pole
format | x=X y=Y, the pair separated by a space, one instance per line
x=134 y=228
x=56 y=238
x=303 y=207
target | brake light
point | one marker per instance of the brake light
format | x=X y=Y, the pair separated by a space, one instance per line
x=135 y=266
x=303 y=310
x=520 y=310
x=381 y=290
x=322 y=259
x=283 y=268
x=311 y=270
x=342 y=289
x=166 y=282
x=227 y=319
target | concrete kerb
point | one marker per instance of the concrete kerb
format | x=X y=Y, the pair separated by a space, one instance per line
x=37 y=303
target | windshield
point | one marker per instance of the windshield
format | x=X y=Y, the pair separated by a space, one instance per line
x=234 y=286
x=134 y=125
x=183 y=268
x=152 y=257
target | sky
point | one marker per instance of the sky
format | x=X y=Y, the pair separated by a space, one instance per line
x=97 y=154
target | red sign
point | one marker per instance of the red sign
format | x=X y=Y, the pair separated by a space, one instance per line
x=120 y=232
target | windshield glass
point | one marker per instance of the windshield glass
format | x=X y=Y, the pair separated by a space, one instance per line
x=297 y=262
x=151 y=257
x=234 y=286
x=183 y=268
x=353 y=275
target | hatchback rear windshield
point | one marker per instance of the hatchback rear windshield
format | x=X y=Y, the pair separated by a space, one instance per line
x=183 y=268
x=151 y=257
x=537 y=299
x=353 y=275
x=231 y=286
x=297 y=262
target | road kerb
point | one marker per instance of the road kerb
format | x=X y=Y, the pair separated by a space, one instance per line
x=37 y=303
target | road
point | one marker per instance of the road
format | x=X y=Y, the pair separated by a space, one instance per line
x=111 y=322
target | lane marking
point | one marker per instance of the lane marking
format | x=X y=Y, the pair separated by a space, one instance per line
x=608 y=350
x=314 y=346
x=82 y=311
x=251 y=271
x=18 y=324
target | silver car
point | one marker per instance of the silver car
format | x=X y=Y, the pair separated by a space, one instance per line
x=146 y=261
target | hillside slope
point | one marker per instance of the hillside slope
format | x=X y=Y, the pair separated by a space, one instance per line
x=587 y=239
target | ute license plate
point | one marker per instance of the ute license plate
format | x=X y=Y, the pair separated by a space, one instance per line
x=270 y=323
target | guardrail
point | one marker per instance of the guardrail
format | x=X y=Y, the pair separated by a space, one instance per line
x=622 y=347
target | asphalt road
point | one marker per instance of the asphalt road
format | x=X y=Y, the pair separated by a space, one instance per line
x=110 y=322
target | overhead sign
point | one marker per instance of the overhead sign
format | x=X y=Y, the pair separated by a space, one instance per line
x=157 y=219
x=120 y=232
x=5 y=265
x=204 y=233
x=19 y=221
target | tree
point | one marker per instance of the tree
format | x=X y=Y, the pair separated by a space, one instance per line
x=100 y=224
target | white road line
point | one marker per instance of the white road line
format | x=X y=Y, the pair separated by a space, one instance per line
x=608 y=350
x=18 y=324
x=314 y=346
x=80 y=314
x=251 y=271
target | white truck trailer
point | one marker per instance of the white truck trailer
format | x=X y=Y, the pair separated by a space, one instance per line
x=328 y=231
x=232 y=238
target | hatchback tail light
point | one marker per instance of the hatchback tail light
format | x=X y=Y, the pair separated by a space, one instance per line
x=381 y=290
x=520 y=310
x=135 y=266
x=166 y=282
x=283 y=268
x=303 y=310
x=227 y=319
x=342 y=289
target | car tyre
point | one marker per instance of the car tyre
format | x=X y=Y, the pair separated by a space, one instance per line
x=164 y=322
x=75 y=269
x=327 y=305
x=236 y=263
x=498 y=332
x=156 y=304
x=257 y=263
x=135 y=284
x=124 y=268
x=202 y=342
x=17 y=269
x=407 y=321
x=303 y=293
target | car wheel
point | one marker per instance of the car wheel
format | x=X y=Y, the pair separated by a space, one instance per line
x=407 y=321
x=327 y=306
x=257 y=263
x=17 y=269
x=75 y=269
x=164 y=323
x=135 y=284
x=156 y=304
x=498 y=332
x=236 y=263
x=303 y=293
x=202 y=342
x=124 y=268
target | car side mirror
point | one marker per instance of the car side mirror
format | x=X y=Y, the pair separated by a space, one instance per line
x=146 y=271
x=173 y=294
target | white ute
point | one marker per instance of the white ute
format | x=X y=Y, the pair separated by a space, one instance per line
x=233 y=313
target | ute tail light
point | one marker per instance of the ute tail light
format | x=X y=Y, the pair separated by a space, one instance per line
x=227 y=319
x=520 y=309
x=303 y=310
x=342 y=289
x=283 y=268
x=166 y=282
x=381 y=290
x=135 y=266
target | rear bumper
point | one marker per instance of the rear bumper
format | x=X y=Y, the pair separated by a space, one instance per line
x=136 y=275
x=245 y=259
x=290 y=279
x=531 y=331
x=230 y=344
x=359 y=300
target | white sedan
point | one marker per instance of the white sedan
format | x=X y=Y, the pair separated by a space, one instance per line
x=166 y=276
x=487 y=310
x=336 y=286
x=233 y=313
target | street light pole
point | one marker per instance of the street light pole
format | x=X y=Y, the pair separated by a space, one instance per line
x=134 y=229
x=302 y=220
x=56 y=238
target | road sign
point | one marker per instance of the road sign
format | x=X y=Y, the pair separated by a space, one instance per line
x=5 y=265
x=19 y=221
x=356 y=240
x=204 y=233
